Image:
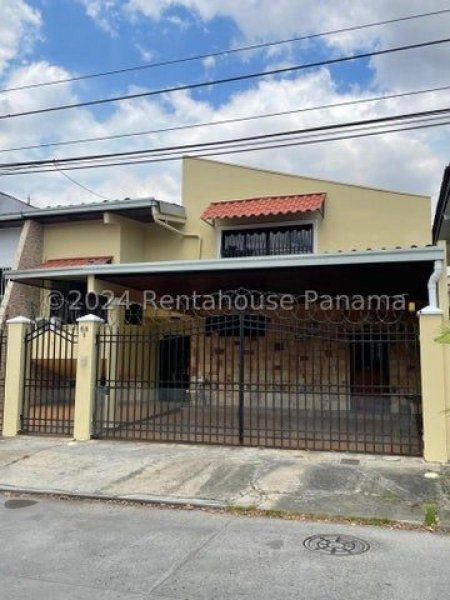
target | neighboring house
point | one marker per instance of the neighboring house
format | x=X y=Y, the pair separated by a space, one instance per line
x=9 y=236
x=441 y=223
x=316 y=375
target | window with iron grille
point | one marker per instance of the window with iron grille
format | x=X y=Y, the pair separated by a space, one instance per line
x=68 y=305
x=134 y=314
x=267 y=241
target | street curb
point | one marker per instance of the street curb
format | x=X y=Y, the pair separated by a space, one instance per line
x=131 y=499
x=215 y=505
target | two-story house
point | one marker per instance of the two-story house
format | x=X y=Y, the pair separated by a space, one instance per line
x=265 y=309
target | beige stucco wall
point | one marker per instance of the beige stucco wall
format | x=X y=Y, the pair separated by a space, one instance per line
x=83 y=238
x=355 y=217
x=123 y=239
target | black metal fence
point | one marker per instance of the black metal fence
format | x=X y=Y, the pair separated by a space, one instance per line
x=3 y=342
x=49 y=381
x=260 y=381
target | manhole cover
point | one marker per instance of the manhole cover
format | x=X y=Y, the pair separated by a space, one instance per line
x=336 y=544
x=19 y=503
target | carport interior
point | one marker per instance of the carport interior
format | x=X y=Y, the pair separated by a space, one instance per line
x=320 y=379
x=317 y=379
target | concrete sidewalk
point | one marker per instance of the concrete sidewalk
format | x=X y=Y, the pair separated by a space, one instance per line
x=318 y=483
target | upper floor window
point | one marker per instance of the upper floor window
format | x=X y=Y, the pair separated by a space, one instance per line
x=267 y=241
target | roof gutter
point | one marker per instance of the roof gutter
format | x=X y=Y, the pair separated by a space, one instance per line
x=426 y=254
x=158 y=220
x=97 y=207
x=435 y=276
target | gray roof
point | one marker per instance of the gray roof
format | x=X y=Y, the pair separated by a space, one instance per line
x=396 y=255
x=139 y=208
x=11 y=205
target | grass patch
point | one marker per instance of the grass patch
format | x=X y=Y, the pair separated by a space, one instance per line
x=431 y=521
x=431 y=515
x=253 y=511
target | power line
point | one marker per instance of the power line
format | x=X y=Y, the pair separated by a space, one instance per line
x=191 y=146
x=225 y=80
x=218 y=143
x=230 y=151
x=80 y=185
x=225 y=121
x=223 y=52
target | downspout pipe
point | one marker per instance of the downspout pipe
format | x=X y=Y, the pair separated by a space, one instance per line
x=162 y=223
x=433 y=302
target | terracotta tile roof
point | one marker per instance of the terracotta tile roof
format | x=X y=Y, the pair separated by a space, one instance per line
x=56 y=263
x=270 y=205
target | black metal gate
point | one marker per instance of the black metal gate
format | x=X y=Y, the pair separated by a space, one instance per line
x=258 y=380
x=49 y=380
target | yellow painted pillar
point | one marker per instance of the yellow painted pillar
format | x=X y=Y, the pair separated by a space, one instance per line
x=14 y=374
x=88 y=327
x=432 y=359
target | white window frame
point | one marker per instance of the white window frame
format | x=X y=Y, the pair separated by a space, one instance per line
x=253 y=225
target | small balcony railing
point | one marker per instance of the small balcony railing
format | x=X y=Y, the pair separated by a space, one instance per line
x=267 y=242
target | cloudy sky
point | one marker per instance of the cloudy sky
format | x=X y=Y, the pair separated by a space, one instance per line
x=42 y=40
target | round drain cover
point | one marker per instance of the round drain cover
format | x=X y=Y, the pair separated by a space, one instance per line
x=19 y=503
x=336 y=544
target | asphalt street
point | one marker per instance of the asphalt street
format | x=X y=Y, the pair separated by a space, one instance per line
x=54 y=549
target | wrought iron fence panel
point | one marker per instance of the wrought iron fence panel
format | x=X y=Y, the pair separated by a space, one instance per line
x=260 y=380
x=49 y=379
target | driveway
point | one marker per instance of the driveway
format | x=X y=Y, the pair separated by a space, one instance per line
x=342 y=484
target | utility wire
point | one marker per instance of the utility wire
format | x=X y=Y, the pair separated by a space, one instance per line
x=218 y=143
x=225 y=121
x=259 y=142
x=225 y=80
x=223 y=52
x=239 y=150
x=80 y=185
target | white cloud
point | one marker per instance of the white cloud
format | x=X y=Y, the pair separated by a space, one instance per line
x=265 y=19
x=209 y=62
x=268 y=20
x=145 y=54
x=410 y=161
x=19 y=26
x=103 y=12
x=407 y=161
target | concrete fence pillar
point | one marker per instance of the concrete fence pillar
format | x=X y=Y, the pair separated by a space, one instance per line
x=14 y=374
x=88 y=327
x=433 y=376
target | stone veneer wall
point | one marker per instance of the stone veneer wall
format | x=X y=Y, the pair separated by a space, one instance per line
x=20 y=299
x=285 y=370
x=282 y=368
